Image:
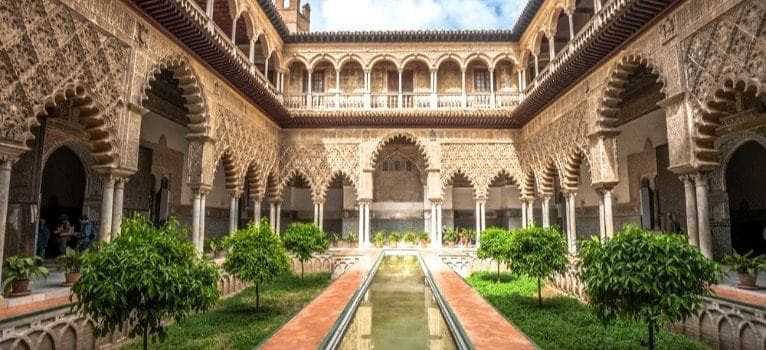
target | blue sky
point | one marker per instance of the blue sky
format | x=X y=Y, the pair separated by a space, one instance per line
x=413 y=14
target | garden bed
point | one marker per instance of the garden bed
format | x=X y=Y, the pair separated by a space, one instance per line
x=564 y=322
x=235 y=324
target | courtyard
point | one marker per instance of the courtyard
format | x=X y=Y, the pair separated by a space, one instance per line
x=238 y=174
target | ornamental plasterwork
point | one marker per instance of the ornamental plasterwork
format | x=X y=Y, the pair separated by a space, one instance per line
x=480 y=163
x=319 y=164
x=49 y=54
x=725 y=54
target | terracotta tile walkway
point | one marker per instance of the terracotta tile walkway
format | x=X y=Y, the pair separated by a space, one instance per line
x=309 y=327
x=486 y=327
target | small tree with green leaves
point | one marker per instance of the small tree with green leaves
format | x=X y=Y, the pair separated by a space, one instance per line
x=256 y=255
x=495 y=245
x=144 y=276
x=538 y=252
x=304 y=239
x=653 y=278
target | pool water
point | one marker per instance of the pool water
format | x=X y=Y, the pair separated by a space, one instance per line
x=398 y=311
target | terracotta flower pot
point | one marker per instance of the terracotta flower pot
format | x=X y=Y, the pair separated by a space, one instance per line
x=20 y=288
x=746 y=281
x=219 y=254
x=71 y=278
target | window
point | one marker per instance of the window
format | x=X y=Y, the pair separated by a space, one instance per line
x=397 y=165
x=481 y=80
x=409 y=165
x=317 y=81
x=385 y=166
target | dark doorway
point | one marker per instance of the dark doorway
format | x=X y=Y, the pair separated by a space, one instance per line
x=62 y=191
x=747 y=198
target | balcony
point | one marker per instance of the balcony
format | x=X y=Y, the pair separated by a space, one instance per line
x=409 y=100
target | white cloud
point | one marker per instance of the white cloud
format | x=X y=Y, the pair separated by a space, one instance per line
x=414 y=14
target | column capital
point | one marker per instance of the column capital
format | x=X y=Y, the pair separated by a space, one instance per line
x=364 y=201
x=201 y=188
x=480 y=199
x=235 y=193
x=436 y=201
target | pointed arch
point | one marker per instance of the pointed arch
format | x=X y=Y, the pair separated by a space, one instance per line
x=373 y=160
x=193 y=93
x=618 y=77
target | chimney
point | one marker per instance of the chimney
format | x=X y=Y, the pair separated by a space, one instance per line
x=296 y=18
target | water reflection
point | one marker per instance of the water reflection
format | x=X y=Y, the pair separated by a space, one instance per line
x=398 y=311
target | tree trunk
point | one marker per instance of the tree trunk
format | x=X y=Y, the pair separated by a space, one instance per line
x=146 y=338
x=539 y=294
x=257 y=297
x=301 y=270
x=651 y=335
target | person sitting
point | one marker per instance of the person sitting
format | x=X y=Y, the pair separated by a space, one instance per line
x=64 y=233
x=87 y=234
x=43 y=235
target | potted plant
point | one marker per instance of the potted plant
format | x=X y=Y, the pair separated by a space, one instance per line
x=393 y=239
x=379 y=239
x=70 y=262
x=410 y=238
x=747 y=267
x=450 y=236
x=19 y=270
x=423 y=239
x=334 y=238
x=351 y=240
x=470 y=237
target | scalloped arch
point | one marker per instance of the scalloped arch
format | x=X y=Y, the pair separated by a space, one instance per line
x=390 y=137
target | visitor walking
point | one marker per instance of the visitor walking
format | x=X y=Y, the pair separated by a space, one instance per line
x=43 y=235
x=86 y=233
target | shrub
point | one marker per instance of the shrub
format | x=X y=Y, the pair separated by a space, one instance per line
x=538 y=252
x=352 y=238
x=653 y=278
x=423 y=238
x=495 y=245
x=256 y=255
x=304 y=239
x=145 y=276
x=745 y=263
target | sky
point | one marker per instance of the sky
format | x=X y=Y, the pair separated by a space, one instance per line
x=413 y=14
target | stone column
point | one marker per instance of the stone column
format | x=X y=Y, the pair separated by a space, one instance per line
x=5 y=183
x=551 y=49
x=119 y=190
x=601 y=216
x=233 y=212
x=257 y=211
x=337 y=88
x=434 y=88
x=433 y=223
x=367 y=89
x=234 y=31
x=571 y=222
x=321 y=215
x=478 y=217
x=463 y=101
x=203 y=212
x=278 y=225
x=273 y=215
x=691 y=210
x=361 y=225
x=537 y=69
x=266 y=68
x=399 y=101
x=531 y=213
x=309 y=105
x=439 y=225
x=209 y=9
x=195 y=216
x=546 y=211
x=524 y=213
x=703 y=215
x=571 y=27
x=608 y=213
x=483 y=215
x=492 y=88
x=107 y=204
x=316 y=214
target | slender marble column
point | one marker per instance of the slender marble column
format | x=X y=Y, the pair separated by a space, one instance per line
x=546 y=211
x=316 y=214
x=195 y=216
x=273 y=215
x=366 y=224
x=232 y=214
x=483 y=215
x=433 y=223
x=572 y=223
x=360 y=239
x=691 y=210
x=478 y=217
x=601 y=216
x=203 y=213
x=439 y=225
x=703 y=215
x=107 y=203
x=531 y=212
x=279 y=219
x=256 y=211
x=608 y=213
x=5 y=184
x=119 y=190
x=571 y=27
x=524 y=213
x=321 y=216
